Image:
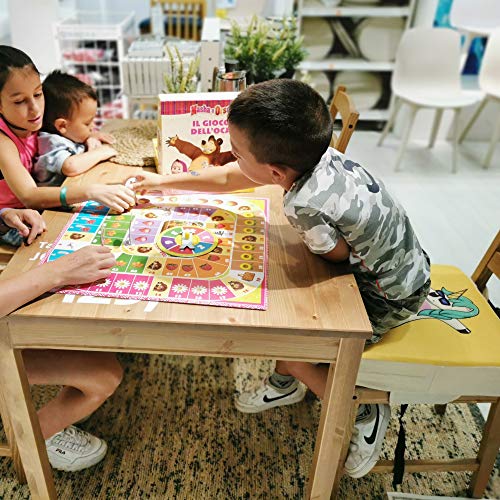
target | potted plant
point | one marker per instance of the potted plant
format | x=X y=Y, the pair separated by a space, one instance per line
x=181 y=78
x=263 y=49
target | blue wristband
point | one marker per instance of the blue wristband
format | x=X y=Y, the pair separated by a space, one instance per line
x=62 y=197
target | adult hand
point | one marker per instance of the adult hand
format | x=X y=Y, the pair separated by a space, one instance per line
x=114 y=196
x=28 y=222
x=89 y=264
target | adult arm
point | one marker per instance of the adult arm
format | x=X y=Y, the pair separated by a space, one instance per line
x=86 y=265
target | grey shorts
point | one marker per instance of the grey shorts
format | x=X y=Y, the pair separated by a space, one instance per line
x=385 y=314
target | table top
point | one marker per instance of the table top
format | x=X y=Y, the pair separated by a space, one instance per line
x=305 y=294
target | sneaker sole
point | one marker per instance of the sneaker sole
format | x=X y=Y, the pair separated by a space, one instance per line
x=95 y=459
x=255 y=409
x=364 y=469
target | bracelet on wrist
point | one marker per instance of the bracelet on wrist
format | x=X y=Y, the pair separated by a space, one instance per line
x=62 y=197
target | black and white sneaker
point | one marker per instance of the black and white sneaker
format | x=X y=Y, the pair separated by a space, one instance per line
x=268 y=396
x=367 y=438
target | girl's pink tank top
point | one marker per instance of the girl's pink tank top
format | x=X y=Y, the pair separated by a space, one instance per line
x=27 y=147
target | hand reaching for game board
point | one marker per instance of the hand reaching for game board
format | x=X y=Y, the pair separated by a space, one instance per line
x=114 y=196
x=89 y=264
x=147 y=180
x=28 y=222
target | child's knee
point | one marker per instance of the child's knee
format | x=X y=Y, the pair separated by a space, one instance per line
x=109 y=378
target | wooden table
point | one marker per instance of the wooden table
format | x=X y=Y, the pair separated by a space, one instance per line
x=315 y=314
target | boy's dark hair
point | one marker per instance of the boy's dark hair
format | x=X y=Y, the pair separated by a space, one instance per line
x=62 y=93
x=286 y=121
x=11 y=58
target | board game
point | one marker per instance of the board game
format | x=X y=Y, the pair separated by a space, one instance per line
x=190 y=248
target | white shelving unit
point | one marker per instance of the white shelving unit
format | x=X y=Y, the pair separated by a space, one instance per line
x=91 y=45
x=335 y=62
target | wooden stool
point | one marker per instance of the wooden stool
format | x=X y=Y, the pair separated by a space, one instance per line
x=451 y=347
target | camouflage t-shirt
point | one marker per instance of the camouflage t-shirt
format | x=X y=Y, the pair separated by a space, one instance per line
x=340 y=198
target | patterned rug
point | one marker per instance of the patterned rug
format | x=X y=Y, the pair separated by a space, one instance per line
x=173 y=432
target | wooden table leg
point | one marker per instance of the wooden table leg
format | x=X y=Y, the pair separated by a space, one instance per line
x=335 y=418
x=488 y=451
x=24 y=421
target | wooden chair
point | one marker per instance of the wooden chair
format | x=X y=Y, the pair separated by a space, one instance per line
x=478 y=333
x=183 y=17
x=342 y=104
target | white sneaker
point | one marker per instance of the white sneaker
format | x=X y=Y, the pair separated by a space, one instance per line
x=268 y=396
x=367 y=438
x=73 y=449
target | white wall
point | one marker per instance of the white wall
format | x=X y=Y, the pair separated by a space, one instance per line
x=140 y=7
x=31 y=30
x=4 y=24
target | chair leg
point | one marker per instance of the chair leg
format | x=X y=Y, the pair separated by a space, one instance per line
x=488 y=450
x=440 y=409
x=493 y=143
x=435 y=126
x=390 y=121
x=406 y=136
x=455 y=142
x=478 y=111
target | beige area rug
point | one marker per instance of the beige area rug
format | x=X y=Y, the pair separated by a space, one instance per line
x=173 y=433
x=134 y=144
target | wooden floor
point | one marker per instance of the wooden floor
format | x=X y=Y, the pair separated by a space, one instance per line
x=455 y=216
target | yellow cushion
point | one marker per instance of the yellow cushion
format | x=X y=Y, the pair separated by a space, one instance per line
x=451 y=329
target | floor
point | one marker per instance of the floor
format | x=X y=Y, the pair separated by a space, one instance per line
x=456 y=216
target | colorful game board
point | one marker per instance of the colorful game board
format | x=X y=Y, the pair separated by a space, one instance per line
x=191 y=248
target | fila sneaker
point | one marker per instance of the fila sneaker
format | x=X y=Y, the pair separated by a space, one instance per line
x=268 y=396
x=367 y=438
x=73 y=449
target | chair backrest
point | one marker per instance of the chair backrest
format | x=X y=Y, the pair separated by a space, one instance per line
x=342 y=104
x=423 y=52
x=477 y=16
x=489 y=73
x=490 y=264
x=183 y=17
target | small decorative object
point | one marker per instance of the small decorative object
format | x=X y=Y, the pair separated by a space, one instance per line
x=182 y=76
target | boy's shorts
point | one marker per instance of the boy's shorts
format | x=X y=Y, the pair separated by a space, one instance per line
x=385 y=314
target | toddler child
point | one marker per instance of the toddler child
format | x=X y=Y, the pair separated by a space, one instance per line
x=65 y=145
x=88 y=378
x=280 y=133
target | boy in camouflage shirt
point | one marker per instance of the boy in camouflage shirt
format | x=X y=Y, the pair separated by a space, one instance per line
x=280 y=133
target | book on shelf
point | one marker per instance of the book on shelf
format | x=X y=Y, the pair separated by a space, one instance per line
x=193 y=132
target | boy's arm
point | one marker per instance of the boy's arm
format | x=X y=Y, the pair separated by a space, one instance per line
x=80 y=163
x=214 y=179
x=339 y=253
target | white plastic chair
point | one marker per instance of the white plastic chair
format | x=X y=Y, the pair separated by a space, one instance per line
x=477 y=18
x=427 y=75
x=489 y=83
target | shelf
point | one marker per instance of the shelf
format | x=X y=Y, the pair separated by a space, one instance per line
x=317 y=9
x=345 y=64
x=111 y=64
